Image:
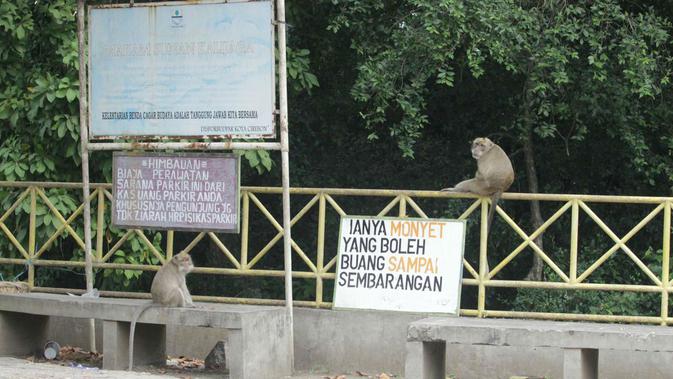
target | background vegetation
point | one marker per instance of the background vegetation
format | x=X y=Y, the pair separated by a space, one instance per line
x=388 y=94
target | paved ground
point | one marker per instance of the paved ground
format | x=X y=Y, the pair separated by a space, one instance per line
x=21 y=368
x=16 y=368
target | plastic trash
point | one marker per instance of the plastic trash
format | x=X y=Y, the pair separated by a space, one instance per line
x=51 y=350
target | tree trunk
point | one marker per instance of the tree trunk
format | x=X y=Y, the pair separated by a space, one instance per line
x=536 y=220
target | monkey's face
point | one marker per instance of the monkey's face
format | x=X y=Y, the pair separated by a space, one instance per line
x=184 y=262
x=481 y=146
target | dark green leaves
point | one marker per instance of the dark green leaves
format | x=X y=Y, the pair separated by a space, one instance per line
x=559 y=51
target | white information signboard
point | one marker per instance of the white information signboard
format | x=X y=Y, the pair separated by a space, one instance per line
x=182 y=69
x=400 y=264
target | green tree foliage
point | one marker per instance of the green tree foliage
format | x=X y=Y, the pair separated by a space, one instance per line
x=39 y=87
x=39 y=109
x=576 y=90
x=39 y=128
x=573 y=67
x=39 y=90
x=560 y=53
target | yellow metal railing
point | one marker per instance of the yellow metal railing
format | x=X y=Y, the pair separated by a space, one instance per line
x=320 y=262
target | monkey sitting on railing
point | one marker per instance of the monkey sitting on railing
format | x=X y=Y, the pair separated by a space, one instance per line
x=494 y=174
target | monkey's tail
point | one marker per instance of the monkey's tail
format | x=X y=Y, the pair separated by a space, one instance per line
x=491 y=212
x=132 y=330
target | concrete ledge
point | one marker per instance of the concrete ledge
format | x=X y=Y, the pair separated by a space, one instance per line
x=328 y=342
x=257 y=337
x=535 y=333
x=206 y=315
x=580 y=341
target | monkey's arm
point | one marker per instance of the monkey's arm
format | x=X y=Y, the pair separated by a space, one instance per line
x=185 y=293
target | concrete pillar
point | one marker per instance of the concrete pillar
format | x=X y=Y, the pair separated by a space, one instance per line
x=425 y=360
x=580 y=364
x=21 y=333
x=234 y=354
x=149 y=346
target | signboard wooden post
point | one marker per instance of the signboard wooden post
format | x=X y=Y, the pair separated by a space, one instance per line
x=400 y=264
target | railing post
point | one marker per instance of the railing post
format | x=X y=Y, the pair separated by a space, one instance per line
x=320 y=251
x=403 y=206
x=31 y=237
x=170 y=235
x=483 y=258
x=99 y=223
x=245 y=217
x=665 y=262
x=574 y=238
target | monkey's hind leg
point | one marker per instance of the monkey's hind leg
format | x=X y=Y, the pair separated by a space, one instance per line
x=464 y=186
x=491 y=212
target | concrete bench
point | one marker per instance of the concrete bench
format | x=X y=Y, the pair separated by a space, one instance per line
x=580 y=341
x=257 y=343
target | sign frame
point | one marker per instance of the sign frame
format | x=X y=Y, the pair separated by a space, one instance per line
x=157 y=137
x=179 y=155
x=281 y=131
x=461 y=268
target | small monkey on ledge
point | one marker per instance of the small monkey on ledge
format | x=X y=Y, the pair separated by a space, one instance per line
x=494 y=174
x=169 y=289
